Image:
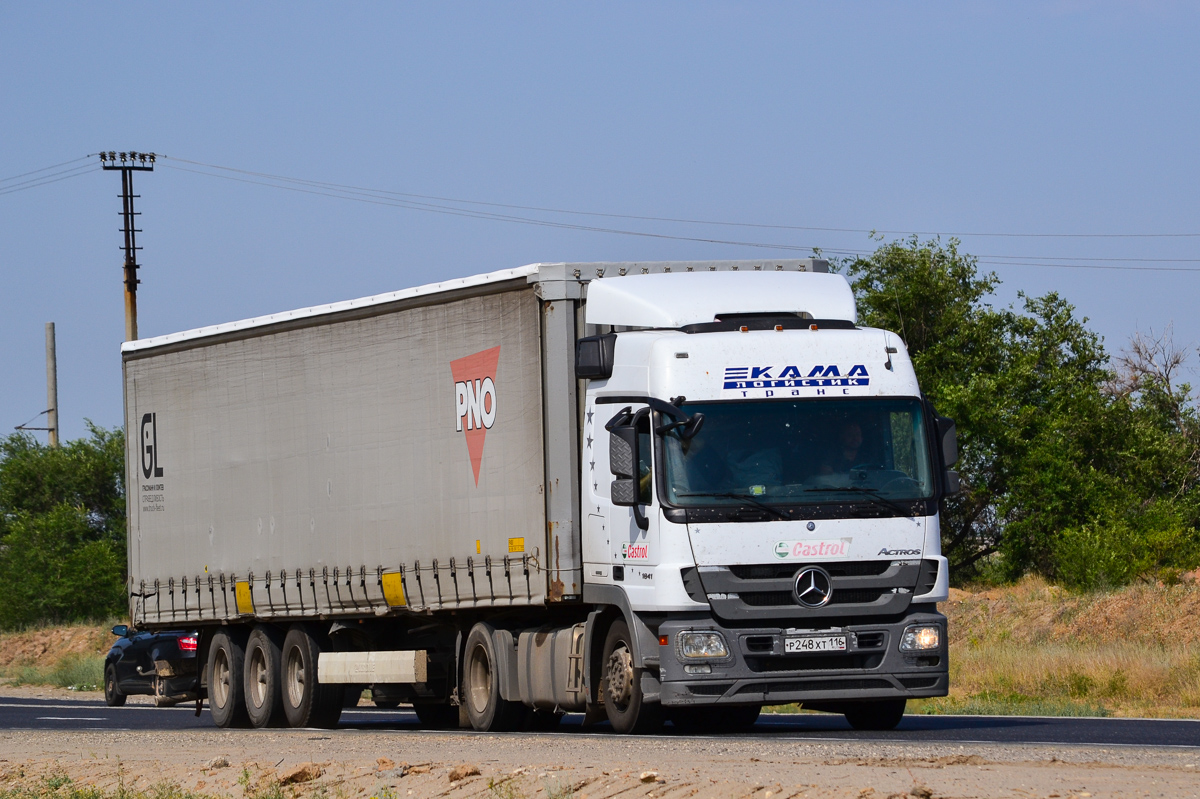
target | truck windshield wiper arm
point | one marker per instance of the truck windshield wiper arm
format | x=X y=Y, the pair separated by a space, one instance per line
x=875 y=495
x=740 y=495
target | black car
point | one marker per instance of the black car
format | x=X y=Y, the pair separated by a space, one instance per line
x=159 y=664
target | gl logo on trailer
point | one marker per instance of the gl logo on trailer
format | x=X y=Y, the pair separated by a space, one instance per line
x=149 y=448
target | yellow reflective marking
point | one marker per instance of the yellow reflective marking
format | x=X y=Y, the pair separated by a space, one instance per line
x=516 y=545
x=245 y=604
x=393 y=589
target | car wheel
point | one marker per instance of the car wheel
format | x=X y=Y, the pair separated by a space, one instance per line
x=112 y=692
x=487 y=710
x=226 y=662
x=882 y=714
x=263 y=676
x=307 y=702
x=621 y=684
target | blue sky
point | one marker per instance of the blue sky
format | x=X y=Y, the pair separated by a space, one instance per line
x=960 y=118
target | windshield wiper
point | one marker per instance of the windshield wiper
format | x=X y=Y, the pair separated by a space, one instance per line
x=753 y=500
x=875 y=495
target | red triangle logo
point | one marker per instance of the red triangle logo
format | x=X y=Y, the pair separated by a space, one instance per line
x=475 y=400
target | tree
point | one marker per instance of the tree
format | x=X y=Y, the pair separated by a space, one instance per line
x=1049 y=449
x=62 y=528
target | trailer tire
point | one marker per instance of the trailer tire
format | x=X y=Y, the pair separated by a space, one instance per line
x=264 y=678
x=306 y=702
x=881 y=714
x=226 y=663
x=486 y=709
x=112 y=691
x=621 y=685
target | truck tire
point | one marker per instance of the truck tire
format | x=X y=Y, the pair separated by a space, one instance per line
x=306 y=702
x=226 y=659
x=486 y=709
x=112 y=692
x=621 y=684
x=264 y=678
x=881 y=714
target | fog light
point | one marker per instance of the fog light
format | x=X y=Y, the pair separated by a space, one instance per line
x=701 y=645
x=917 y=638
x=698 y=668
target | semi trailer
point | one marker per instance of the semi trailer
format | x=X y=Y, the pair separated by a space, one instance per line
x=641 y=491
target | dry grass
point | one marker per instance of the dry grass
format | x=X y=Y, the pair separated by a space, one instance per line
x=1035 y=648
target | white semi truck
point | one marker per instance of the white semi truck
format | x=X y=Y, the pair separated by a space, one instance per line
x=643 y=491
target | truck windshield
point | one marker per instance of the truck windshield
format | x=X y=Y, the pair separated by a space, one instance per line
x=808 y=451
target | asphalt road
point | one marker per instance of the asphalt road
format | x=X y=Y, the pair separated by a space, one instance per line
x=93 y=714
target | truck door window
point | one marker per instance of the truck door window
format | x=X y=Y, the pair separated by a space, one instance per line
x=645 y=459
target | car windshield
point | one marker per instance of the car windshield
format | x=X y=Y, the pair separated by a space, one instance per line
x=808 y=451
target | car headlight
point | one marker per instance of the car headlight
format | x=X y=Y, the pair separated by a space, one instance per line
x=918 y=637
x=701 y=645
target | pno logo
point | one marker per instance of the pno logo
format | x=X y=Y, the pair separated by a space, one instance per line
x=475 y=400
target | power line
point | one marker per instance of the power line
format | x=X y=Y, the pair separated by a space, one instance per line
x=45 y=168
x=678 y=220
x=465 y=212
x=46 y=180
x=397 y=199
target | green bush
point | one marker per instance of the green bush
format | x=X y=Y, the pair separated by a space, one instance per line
x=62 y=529
x=1107 y=554
x=52 y=570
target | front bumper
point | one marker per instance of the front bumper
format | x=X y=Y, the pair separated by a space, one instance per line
x=758 y=672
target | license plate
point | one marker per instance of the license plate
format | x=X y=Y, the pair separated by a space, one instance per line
x=815 y=643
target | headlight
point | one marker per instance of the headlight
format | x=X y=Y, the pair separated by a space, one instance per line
x=701 y=645
x=920 y=637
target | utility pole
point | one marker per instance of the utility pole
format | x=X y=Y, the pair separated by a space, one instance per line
x=51 y=385
x=130 y=162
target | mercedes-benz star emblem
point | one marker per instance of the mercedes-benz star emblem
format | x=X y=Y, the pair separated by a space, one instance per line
x=813 y=588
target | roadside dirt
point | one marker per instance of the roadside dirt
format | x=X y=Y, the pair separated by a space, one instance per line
x=48 y=645
x=351 y=764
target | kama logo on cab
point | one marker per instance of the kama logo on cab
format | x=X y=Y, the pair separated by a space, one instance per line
x=475 y=400
x=795 y=550
x=792 y=381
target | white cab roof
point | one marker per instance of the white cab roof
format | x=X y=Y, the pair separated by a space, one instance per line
x=672 y=300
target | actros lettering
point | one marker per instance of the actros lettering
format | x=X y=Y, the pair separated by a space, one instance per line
x=894 y=552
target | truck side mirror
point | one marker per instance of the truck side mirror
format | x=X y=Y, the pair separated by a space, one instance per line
x=120 y=630
x=623 y=462
x=624 y=492
x=948 y=434
x=622 y=450
x=594 y=356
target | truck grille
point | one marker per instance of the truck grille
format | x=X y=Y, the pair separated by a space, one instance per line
x=764 y=591
x=814 y=662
